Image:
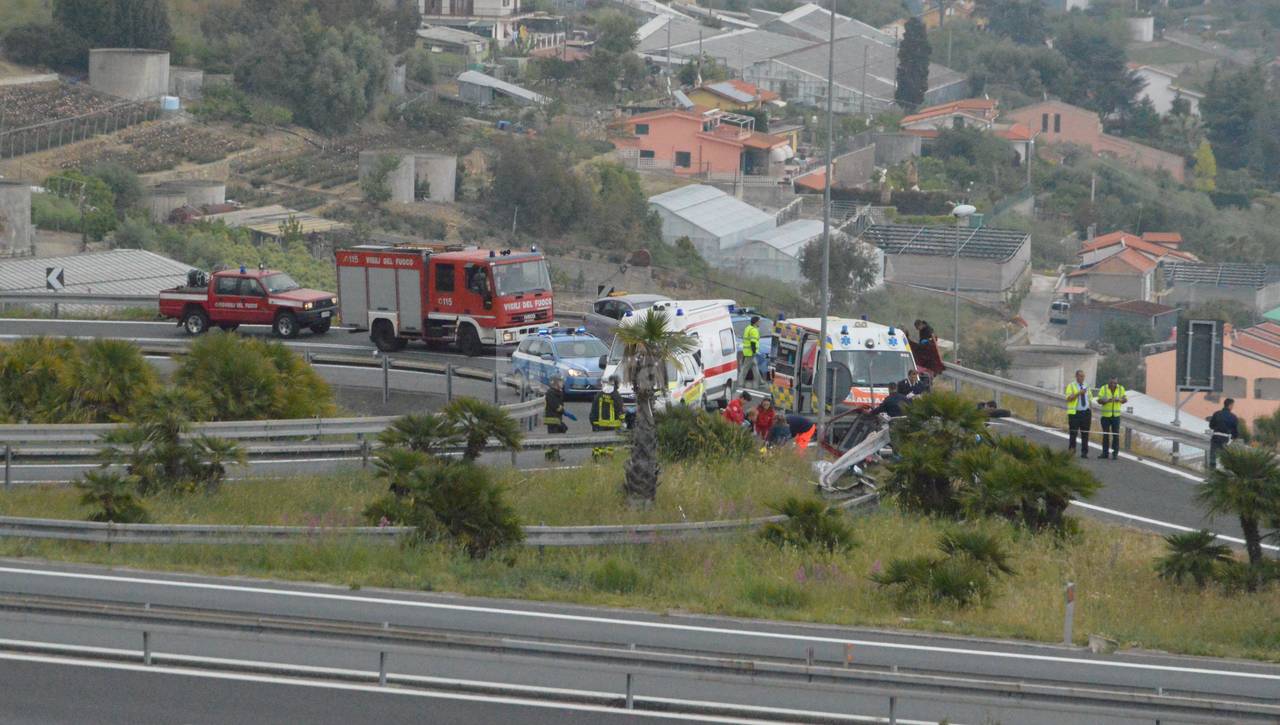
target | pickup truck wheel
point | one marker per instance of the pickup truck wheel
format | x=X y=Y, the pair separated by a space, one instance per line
x=285 y=325
x=321 y=327
x=195 y=322
x=469 y=341
x=384 y=337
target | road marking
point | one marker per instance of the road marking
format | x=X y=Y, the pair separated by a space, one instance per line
x=1127 y=456
x=1157 y=522
x=356 y=687
x=639 y=624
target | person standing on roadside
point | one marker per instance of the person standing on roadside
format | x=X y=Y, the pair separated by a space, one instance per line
x=1224 y=427
x=1111 y=397
x=750 y=363
x=1079 y=414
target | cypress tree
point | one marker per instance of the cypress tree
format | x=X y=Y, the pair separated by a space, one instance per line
x=913 y=66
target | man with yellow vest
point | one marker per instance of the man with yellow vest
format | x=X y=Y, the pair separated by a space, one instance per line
x=750 y=356
x=1111 y=396
x=1079 y=414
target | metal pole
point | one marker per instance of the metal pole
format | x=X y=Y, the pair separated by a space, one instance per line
x=448 y=382
x=386 y=379
x=8 y=465
x=146 y=647
x=955 y=289
x=893 y=710
x=862 y=102
x=495 y=386
x=820 y=384
x=382 y=669
x=1069 y=614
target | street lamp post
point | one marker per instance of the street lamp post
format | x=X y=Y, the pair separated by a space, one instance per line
x=960 y=212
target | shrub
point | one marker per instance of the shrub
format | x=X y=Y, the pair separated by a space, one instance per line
x=689 y=433
x=615 y=575
x=428 y=433
x=780 y=595
x=156 y=452
x=44 y=380
x=1194 y=555
x=248 y=379
x=113 y=497
x=810 y=523
x=396 y=466
x=1023 y=482
x=458 y=502
x=964 y=575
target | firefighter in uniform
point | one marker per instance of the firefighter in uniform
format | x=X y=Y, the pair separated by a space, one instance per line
x=1111 y=396
x=750 y=356
x=1079 y=414
x=553 y=413
x=606 y=416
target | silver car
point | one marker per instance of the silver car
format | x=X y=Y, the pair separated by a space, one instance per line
x=607 y=312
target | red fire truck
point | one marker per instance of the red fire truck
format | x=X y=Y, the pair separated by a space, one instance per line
x=472 y=297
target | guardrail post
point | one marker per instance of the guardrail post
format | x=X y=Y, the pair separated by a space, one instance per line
x=382 y=669
x=448 y=382
x=1128 y=438
x=631 y=701
x=386 y=379
x=513 y=458
x=55 y=310
x=364 y=452
x=146 y=647
x=1069 y=613
x=955 y=385
x=893 y=710
x=495 y=387
x=1174 y=452
x=999 y=398
x=1039 y=413
x=8 y=464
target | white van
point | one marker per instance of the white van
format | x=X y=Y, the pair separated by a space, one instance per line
x=700 y=377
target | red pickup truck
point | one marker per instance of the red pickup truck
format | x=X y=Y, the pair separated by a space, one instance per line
x=248 y=297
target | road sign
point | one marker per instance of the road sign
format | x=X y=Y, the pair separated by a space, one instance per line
x=1199 y=362
x=53 y=279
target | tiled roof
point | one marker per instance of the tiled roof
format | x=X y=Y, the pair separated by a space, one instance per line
x=1131 y=241
x=1262 y=340
x=739 y=91
x=1227 y=274
x=981 y=105
x=1138 y=261
x=1171 y=239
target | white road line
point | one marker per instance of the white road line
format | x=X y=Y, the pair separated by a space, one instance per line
x=556 y=616
x=1157 y=522
x=170 y=340
x=355 y=687
x=1127 y=456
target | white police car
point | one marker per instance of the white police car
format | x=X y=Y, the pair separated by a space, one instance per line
x=573 y=354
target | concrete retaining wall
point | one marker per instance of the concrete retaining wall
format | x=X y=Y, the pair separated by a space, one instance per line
x=400 y=180
x=439 y=172
x=16 y=232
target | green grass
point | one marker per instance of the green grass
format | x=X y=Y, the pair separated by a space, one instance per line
x=1118 y=593
x=1164 y=54
x=131 y=314
x=588 y=495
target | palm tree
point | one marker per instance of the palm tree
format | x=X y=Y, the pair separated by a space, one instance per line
x=396 y=466
x=1248 y=486
x=214 y=454
x=429 y=433
x=113 y=377
x=479 y=421
x=650 y=344
x=113 y=495
x=1194 y=554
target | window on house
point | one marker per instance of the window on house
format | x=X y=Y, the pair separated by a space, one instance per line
x=1044 y=122
x=644 y=154
x=1057 y=123
x=642 y=129
x=1234 y=386
x=684 y=159
x=1266 y=388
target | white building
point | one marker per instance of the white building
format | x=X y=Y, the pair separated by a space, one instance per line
x=714 y=221
x=1162 y=88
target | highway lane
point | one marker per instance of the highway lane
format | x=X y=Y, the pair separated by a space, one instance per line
x=66 y=691
x=668 y=631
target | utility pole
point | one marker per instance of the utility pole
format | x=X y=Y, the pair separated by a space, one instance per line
x=862 y=103
x=820 y=361
x=960 y=212
x=668 y=46
x=514 y=215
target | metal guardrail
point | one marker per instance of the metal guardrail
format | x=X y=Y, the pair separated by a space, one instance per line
x=77 y=298
x=1048 y=400
x=539 y=536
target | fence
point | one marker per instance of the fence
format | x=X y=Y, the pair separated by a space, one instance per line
x=51 y=134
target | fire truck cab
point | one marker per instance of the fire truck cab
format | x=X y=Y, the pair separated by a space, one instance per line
x=471 y=297
x=865 y=360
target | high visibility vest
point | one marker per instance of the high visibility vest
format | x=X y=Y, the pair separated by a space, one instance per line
x=1110 y=400
x=606 y=413
x=1081 y=403
x=750 y=341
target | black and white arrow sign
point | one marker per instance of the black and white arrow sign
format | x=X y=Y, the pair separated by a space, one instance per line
x=53 y=279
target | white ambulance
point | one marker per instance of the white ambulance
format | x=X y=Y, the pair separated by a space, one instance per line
x=866 y=360
x=700 y=377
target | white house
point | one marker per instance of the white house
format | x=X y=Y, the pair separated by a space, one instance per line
x=1161 y=87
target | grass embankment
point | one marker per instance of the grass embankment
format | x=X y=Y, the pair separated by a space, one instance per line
x=1118 y=593
x=588 y=495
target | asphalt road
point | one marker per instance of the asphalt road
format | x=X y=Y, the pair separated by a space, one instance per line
x=670 y=632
